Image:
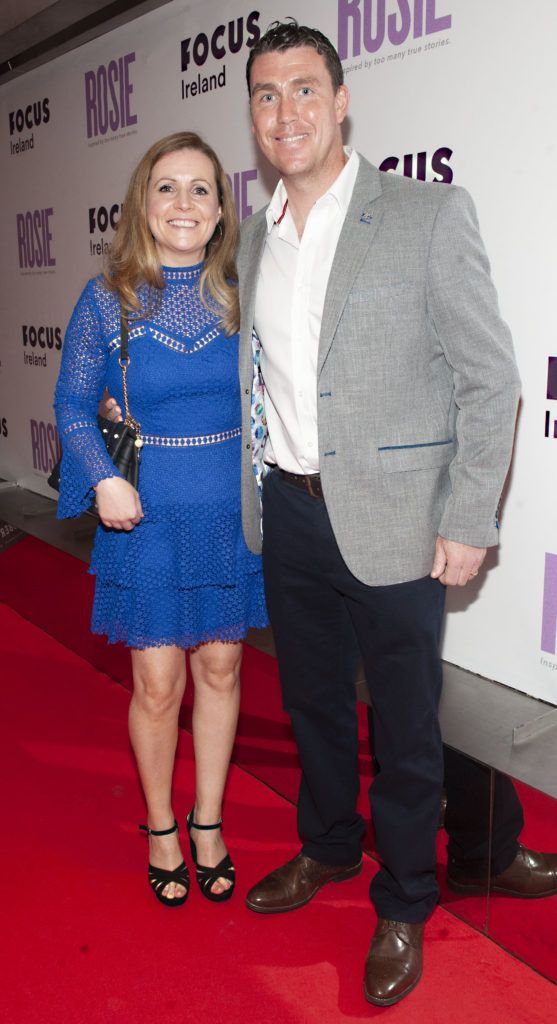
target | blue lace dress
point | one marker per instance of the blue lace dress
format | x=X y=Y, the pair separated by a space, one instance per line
x=184 y=575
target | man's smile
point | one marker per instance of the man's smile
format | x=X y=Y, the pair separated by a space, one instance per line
x=290 y=139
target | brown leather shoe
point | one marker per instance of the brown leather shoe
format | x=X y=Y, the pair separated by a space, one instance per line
x=530 y=876
x=394 y=961
x=295 y=883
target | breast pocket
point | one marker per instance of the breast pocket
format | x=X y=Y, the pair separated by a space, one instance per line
x=412 y=457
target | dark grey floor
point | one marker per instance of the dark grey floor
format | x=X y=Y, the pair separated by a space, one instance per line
x=482 y=718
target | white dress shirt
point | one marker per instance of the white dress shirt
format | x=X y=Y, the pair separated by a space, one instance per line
x=288 y=311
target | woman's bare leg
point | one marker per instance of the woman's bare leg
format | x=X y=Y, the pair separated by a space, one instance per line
x=159 y=679
x=215 y=670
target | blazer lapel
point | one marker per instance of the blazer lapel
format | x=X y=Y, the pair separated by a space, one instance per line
x=360 y=224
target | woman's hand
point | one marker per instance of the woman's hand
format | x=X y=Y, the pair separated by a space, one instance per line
x=118 y=503
x=109 y=408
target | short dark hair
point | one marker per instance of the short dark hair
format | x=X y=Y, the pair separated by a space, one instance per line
x=287 y=35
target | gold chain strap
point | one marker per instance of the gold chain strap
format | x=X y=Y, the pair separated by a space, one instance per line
x=129 y=420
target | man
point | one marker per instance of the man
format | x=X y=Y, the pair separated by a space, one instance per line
x=390 y=393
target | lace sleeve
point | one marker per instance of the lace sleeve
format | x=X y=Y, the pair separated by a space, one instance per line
x=80 y=385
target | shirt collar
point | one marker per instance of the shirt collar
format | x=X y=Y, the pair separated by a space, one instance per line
x=341 y=191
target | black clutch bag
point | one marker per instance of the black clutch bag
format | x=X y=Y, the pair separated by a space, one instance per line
x=122 y=440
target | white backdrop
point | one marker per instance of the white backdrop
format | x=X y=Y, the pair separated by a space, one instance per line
x=447 y=89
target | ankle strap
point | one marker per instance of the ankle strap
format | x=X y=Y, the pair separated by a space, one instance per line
x=202 y=828
x=159 y=832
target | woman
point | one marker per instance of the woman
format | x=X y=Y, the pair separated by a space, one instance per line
x=171 y=565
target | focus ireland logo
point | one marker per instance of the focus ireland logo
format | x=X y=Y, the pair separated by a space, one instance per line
x=216 y=44
x=23 y=122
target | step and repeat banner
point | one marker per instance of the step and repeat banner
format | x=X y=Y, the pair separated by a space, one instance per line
x=447 y=91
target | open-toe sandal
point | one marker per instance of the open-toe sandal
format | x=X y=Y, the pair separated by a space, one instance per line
x=159 y=878
x=206 y=877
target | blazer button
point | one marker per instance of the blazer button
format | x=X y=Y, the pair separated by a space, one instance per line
x=247 y=391
x=248 y=446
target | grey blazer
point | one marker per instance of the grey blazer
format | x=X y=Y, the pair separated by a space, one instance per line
x=417 y=384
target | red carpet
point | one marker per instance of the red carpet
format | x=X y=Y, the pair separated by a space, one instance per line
x=53 y=590
x=86 y=943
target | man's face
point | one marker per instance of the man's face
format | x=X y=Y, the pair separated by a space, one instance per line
x=296 y=114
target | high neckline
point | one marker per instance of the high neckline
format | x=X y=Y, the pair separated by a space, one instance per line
x=181 y=274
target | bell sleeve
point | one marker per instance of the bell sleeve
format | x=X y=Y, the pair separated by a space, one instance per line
x=80 y=385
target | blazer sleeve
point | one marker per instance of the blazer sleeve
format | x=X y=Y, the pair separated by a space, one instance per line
x=464 y=311
x=80 y=385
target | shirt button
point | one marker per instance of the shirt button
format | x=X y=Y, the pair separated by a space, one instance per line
x=310 y=444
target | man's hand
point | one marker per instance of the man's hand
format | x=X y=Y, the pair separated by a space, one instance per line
x=109 y=409
x=118 y=503
x=455 y=564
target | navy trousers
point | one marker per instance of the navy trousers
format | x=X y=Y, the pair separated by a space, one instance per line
x=316 y=605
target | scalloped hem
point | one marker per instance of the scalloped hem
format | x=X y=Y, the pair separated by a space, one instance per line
x=187 y=641
x=147 y=617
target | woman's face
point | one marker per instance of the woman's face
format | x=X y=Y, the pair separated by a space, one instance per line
x=182 y=206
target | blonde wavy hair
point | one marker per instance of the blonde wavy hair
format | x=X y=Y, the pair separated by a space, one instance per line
x=133 y=259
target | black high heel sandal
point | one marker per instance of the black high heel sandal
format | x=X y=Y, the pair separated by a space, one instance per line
x=206 y=877
x=160 y=877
